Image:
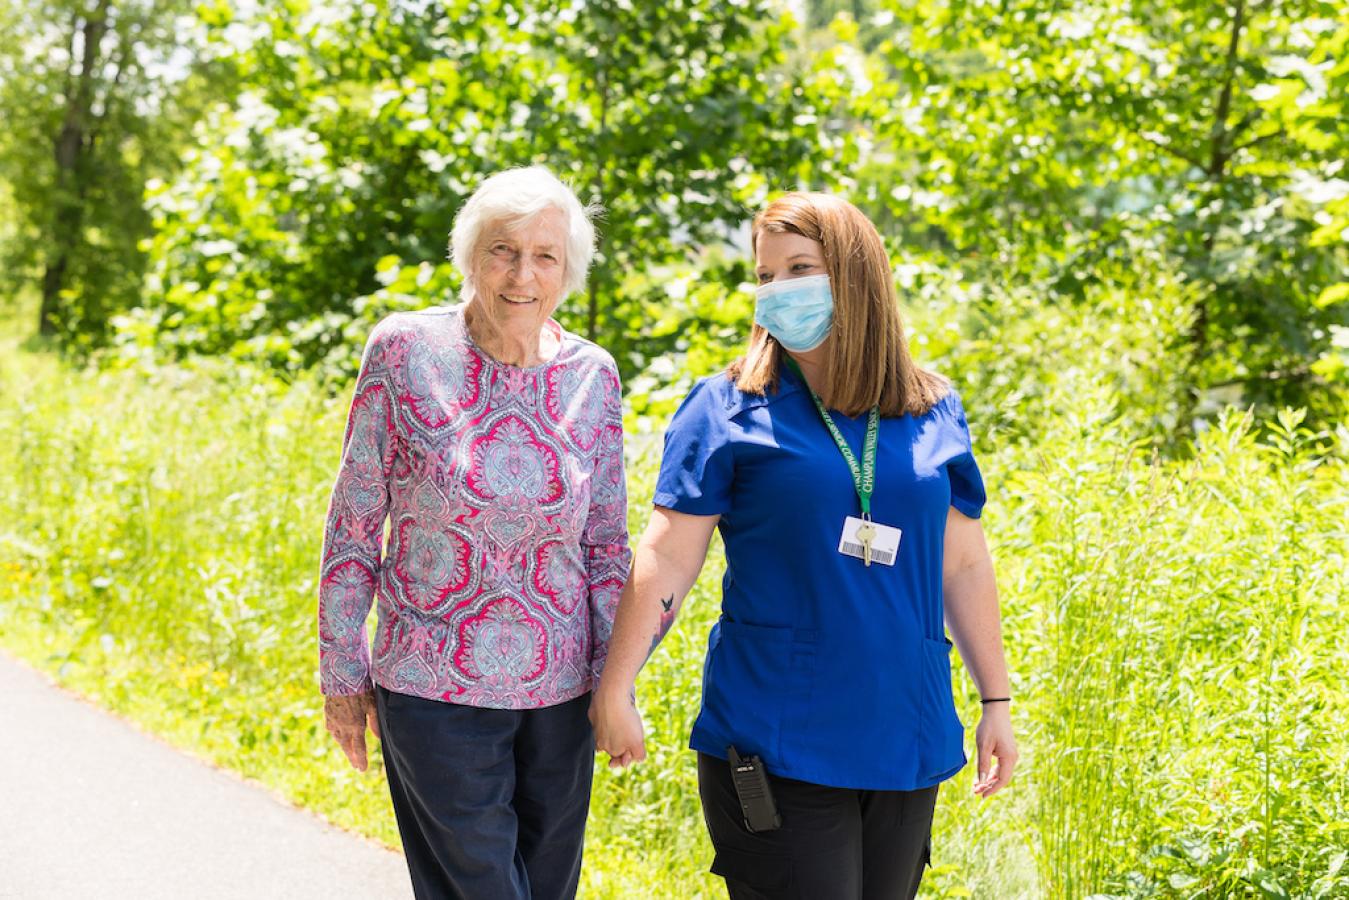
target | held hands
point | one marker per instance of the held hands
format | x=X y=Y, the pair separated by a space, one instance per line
x=997 y=750
x=618 y=727
x=346 y=719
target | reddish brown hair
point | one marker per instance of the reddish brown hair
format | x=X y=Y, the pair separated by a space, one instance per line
x=867 y=360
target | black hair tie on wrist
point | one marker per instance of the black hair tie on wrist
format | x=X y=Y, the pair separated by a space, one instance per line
x=996 y=700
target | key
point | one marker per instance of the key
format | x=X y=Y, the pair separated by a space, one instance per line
x=866 y=533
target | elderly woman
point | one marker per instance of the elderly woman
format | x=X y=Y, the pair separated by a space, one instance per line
x=491 y=440
x=843 y=481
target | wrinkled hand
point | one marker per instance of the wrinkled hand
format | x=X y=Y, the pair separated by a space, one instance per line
x=346 y=719
x=997 y=749
x=618 y=728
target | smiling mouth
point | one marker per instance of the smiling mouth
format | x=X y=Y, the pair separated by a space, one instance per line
x=517 y=300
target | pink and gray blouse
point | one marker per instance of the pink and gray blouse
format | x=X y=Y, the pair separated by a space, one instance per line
x=508 y=543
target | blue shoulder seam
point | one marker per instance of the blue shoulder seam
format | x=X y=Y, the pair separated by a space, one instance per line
x=735 y=401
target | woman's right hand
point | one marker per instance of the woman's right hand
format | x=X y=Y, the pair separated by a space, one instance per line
x=618 y=726
x=346 y=719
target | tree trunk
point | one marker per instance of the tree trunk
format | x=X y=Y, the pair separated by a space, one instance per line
x=70 y=189
x=1220 y=153
x=52 y=278
x=598 y=272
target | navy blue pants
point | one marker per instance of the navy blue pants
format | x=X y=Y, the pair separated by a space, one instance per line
x=491 y=803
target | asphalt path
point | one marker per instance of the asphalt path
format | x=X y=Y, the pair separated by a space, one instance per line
x=90 y=807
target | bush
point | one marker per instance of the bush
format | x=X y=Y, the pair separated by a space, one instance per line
x=1173 y=627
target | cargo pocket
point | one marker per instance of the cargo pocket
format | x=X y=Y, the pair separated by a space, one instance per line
x=757 y=871
x=941 y=740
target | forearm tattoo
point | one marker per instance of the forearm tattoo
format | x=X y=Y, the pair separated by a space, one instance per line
x=667 y=618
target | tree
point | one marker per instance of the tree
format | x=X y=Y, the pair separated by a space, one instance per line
x=1031 y=138
x=358 y=135
x=83 y=92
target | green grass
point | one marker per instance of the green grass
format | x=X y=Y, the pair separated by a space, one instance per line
x=1175 y=630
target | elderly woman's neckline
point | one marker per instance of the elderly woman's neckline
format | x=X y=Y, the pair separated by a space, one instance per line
x=512 y=350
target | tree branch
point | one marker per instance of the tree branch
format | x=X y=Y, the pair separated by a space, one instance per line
x=1297 y=373
x=109 y=97
x=1277 y=133
x=593 y=307
x=1246 y=122
x=1218 y=134
x=1178 y=154
x=68 y=92
x=1139 y=108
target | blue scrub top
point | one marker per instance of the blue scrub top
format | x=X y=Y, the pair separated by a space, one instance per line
x=832 y=672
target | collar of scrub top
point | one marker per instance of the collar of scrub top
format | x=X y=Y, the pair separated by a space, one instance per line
x=789 y=381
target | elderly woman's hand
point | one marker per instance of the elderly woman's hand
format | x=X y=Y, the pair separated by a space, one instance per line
x=346 y=719
x=618 y=727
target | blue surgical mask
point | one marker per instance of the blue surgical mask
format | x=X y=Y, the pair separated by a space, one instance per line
x=798 y=312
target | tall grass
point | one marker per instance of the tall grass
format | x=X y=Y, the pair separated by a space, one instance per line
x=1175 y=629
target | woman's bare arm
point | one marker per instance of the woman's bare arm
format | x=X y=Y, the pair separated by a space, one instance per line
x=664 y=568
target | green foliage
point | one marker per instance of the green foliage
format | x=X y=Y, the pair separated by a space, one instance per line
x=90 y=112
x=1053 y=141
x=1063 y=155
x=1014 y=355
x=1182 y=608
x=362 y=132
x=1064 y=150
x=1173 y=627
x=163 y=561
x=1120 y=231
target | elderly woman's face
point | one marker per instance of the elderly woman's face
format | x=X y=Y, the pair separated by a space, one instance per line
x=519 y=269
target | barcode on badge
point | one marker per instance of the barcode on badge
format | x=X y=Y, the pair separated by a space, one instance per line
x=884 y=557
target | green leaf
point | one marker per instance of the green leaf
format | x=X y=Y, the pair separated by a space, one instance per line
x=1336 y=293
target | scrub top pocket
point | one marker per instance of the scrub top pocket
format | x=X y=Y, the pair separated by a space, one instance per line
x=754 y=674
x=941 y=736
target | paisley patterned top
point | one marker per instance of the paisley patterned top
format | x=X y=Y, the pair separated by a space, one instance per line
x=508 y=542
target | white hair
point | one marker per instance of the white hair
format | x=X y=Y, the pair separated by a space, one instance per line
x=513 y=197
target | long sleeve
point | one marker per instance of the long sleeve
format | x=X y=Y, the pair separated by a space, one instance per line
x=604 y=541
x=355 y=529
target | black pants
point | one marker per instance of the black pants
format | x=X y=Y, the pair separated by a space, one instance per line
x=491 y=803
x=834 y=842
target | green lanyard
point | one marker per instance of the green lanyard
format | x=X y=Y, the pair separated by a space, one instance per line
x=863 y=476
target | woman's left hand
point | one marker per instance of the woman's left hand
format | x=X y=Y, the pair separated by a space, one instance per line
x=996 y=748
x=347 y=719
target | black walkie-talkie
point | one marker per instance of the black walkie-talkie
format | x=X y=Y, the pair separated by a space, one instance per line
x=751 y=787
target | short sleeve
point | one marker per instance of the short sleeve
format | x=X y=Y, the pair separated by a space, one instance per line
x=696 y=467
x=967 y=483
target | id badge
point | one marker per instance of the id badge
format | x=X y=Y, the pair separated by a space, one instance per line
x=884 y=541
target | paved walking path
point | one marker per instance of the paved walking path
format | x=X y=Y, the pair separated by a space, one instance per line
x=92 y=808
